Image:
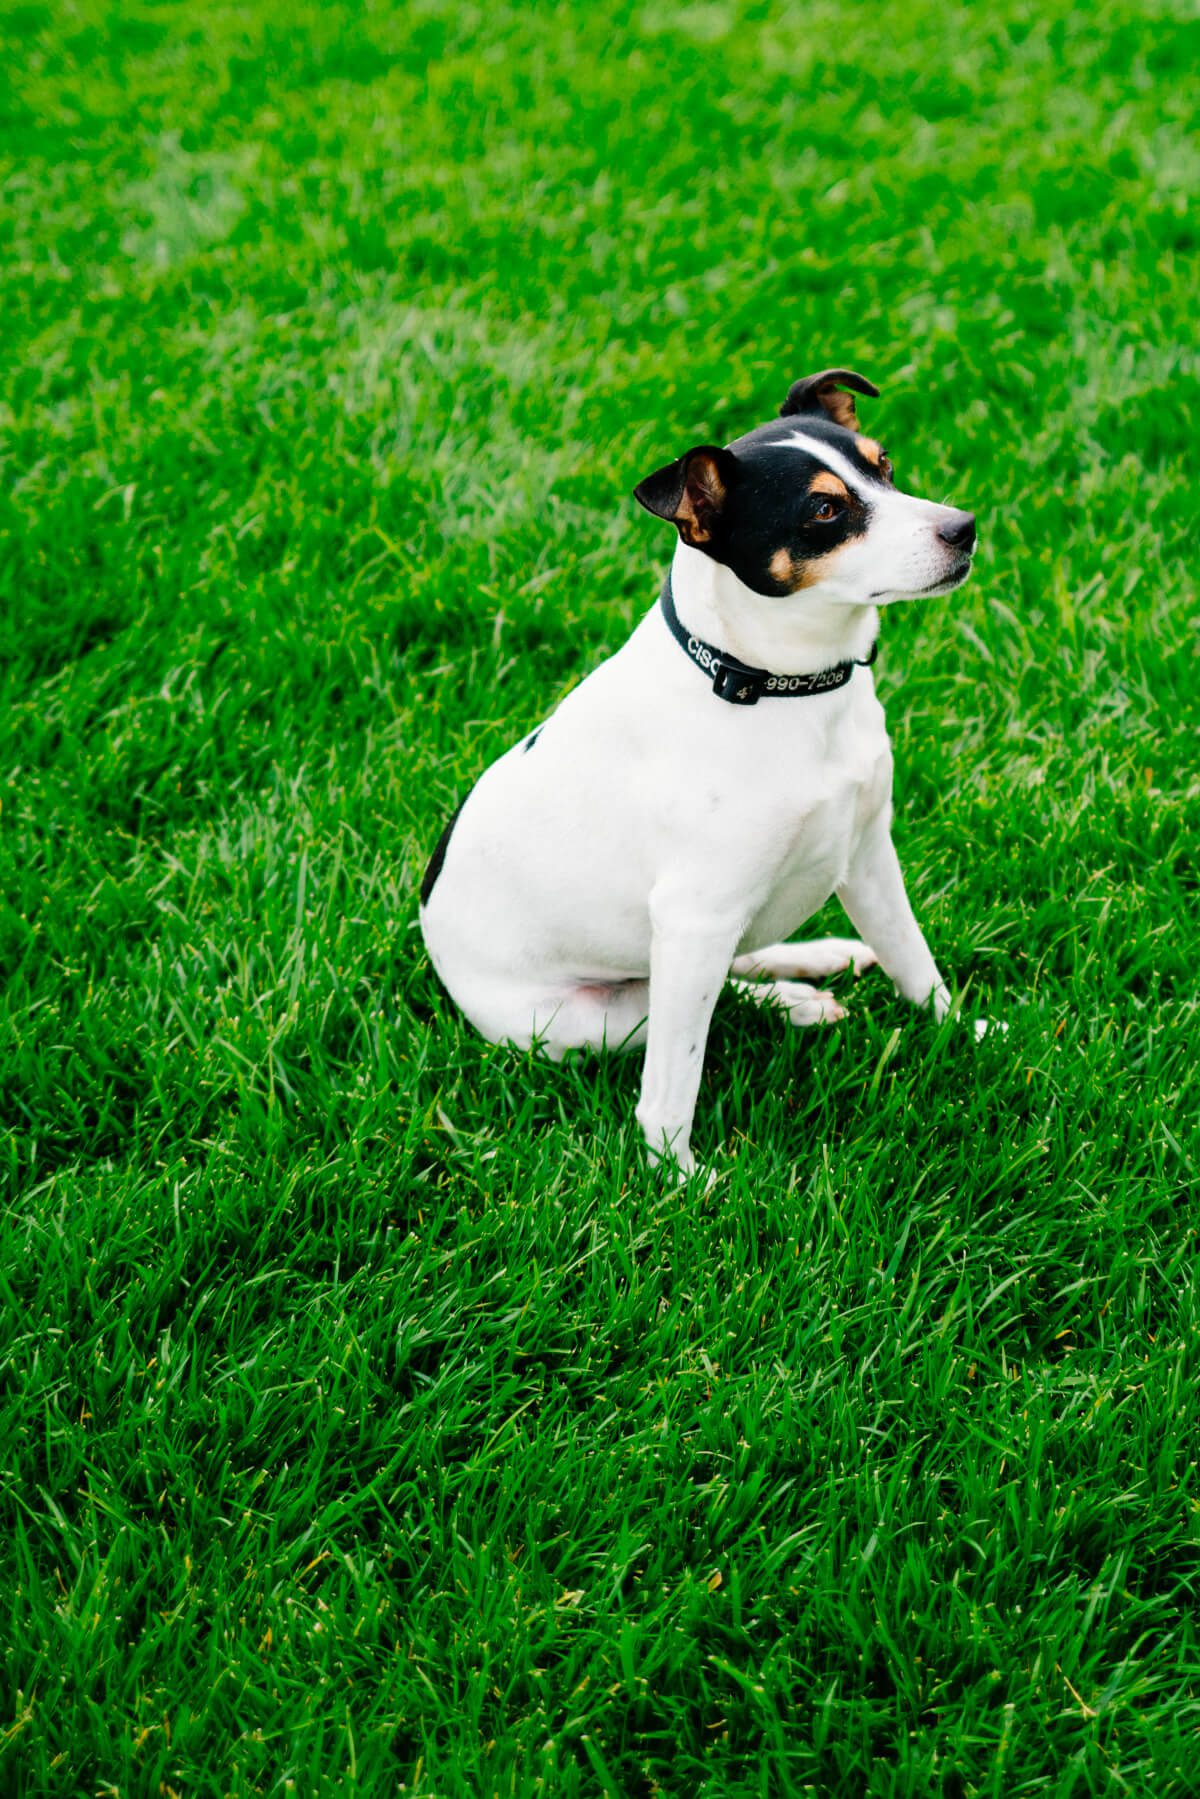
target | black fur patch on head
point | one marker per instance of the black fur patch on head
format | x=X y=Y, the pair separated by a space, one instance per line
x=785 y=517
x=767 y=507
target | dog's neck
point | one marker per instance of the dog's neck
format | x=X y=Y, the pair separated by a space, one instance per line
x=794 y=635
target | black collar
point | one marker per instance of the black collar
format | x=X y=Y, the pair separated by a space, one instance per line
x=742 y=685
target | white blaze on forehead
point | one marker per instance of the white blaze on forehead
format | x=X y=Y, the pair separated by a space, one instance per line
x=833 y=459
x=900 y=551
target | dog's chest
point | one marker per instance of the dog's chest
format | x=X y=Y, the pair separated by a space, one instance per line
x=812 y=867
x=806 y=819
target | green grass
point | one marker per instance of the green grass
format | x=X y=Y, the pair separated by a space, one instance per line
x=371 y=1420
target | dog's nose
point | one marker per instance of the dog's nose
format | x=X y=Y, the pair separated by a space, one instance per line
x=959 y=531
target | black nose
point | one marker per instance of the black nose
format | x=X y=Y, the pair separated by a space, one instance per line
x=959 y=533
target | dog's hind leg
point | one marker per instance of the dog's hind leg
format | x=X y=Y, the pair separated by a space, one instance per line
x=607 y=1015
x=802 y=1003
x=814 y=961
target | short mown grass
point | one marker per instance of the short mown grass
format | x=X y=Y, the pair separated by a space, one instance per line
x=371 y=1419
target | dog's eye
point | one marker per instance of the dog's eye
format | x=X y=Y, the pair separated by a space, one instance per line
x=827 y=510
x=885 y=466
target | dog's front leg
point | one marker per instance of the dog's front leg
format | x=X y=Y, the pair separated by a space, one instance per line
x=689 y=960
x=874 y=897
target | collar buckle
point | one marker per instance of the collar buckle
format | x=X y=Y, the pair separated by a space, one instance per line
x=736 y=683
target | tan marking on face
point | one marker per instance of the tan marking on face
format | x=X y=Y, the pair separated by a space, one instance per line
x=828 y=482
x=796 y=573
x=869 y=450
x=808 y=574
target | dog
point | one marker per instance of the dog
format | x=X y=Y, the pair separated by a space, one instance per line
x=709 y=786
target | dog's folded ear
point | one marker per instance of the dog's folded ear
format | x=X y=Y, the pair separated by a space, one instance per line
x=823 y=393
x=691 y=492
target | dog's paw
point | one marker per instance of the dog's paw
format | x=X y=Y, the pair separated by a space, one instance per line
x=678 y=1171
x=859 y=956
x=940 y=1001
x=989 y=1027
x=665 y=1152
x=806 y=1005
x=813 y=961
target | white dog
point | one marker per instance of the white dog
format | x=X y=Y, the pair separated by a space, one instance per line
x=704 y=792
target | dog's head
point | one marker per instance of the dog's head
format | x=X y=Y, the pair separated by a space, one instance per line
x=809 y=503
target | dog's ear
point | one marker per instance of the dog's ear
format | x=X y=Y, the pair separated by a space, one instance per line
x=691 y=492
x=823 y=393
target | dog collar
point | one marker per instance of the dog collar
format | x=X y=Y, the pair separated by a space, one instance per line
x=742 y=685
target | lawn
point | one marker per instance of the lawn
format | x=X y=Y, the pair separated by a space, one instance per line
x=372 y=1420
